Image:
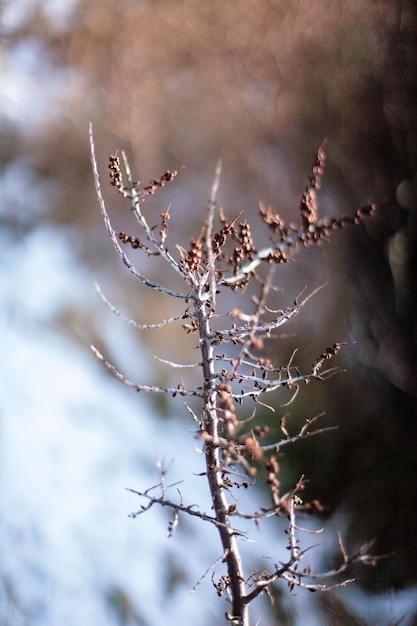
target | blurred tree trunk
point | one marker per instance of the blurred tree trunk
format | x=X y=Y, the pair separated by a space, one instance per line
x=374 y=465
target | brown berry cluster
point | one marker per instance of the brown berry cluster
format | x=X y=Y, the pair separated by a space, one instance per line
x=194 y=255
x=308 y=208
x=277 y=256
x=322 y=230
x=251 y=443
x=167 y=177
x=220 y=238
x=163 y=231
x=135 y=243
x=272 y=469
x=313 y=230
x=308 y=204
x=115 y=171
x=329 y=352
x=274 y=221
x=225 y=402
x=245 y=250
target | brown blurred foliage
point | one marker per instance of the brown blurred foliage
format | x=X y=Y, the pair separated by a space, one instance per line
x=261 y=83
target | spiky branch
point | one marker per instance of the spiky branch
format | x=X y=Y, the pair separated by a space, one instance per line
x=224 y=256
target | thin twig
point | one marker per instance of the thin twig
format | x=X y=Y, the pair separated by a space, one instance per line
x=189 y=510
x=131 y=322
x=113 y=236
x=172 y=391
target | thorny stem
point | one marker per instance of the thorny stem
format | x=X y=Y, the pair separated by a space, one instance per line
x=220 y=428
x=218 y=496
x=205 y=310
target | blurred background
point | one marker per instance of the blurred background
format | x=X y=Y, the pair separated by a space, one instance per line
x=261 y=84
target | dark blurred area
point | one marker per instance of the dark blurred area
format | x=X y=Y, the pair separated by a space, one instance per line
x=261 y=84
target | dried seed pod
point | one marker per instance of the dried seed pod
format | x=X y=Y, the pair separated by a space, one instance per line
x=115 y=171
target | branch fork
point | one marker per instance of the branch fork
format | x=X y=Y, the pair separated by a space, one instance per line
x=222 y=257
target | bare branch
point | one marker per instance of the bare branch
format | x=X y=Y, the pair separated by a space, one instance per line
x=179 y=365
x=189 y=510
x=172 y=391
x=113 y=236
x=116 y=311
x=241 y=332
x=137 y=197
x=234 y=459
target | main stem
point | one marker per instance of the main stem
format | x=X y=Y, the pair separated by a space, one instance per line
x=239 y=613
